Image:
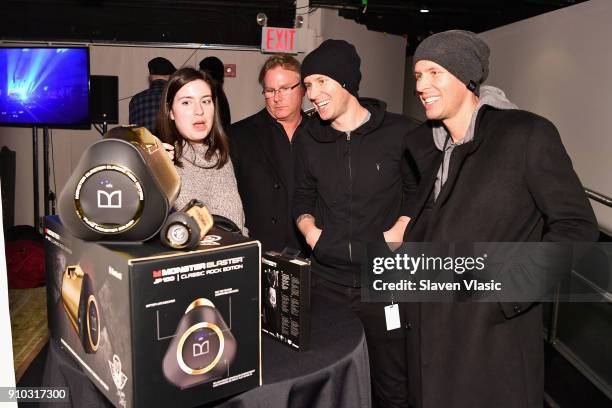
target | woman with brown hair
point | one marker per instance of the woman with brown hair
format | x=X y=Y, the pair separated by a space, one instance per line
x=190 y=124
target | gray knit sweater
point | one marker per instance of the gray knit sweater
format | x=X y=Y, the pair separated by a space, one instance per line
x=216 y=188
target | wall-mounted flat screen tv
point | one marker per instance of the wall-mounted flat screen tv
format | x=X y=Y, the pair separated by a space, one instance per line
x=44 y=86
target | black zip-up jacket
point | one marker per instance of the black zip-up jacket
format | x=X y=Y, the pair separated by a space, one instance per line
x=356 y=185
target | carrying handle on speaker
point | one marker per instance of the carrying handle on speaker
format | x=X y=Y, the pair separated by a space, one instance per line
x=290 y=253
x=225 y=223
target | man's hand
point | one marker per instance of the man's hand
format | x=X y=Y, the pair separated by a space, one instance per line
x=306 y=225
x=312 y=236
x=395 y=235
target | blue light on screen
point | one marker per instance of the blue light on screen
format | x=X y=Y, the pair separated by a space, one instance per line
x=44 y=86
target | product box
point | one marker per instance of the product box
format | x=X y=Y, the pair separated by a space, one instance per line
x=286 y=299
x=156 y=328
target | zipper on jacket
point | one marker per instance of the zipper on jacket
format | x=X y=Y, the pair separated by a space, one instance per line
x=350 y=215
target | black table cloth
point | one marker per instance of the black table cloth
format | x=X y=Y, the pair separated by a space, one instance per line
x=334 y=372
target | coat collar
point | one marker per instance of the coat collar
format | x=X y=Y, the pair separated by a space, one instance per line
x=460 y=154
x=268 y=129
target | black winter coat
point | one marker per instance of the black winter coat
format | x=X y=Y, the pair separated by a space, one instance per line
x=262 y=184
x=355 y=186
x=513 y=183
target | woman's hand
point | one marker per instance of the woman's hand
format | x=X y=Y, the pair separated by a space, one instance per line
x=170 y=150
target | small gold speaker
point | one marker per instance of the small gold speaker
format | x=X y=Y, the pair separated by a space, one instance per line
x=184 y=229
x=81 y=306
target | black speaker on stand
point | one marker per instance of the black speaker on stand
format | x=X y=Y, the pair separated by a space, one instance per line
x=103 y=101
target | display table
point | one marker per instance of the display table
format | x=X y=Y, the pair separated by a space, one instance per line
x=333 y=373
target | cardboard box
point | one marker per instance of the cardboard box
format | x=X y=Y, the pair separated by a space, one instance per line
x=153 y=327
x=286 y=299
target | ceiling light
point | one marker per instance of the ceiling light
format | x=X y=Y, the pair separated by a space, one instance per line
x=299 y=21
x=424 y=10
x=262 y=19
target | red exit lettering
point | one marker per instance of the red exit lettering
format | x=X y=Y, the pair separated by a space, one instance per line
x=278 y=39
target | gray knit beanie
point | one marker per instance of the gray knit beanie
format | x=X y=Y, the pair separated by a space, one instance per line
x=461 y=52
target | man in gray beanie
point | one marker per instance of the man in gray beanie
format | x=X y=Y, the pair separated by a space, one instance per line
x=353 y=185
x=462 y=52
x=499 y=174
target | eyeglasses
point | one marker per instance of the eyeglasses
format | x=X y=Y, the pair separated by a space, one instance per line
x=284 y=91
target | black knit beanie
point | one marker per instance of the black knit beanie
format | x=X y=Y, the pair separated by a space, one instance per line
x=336 y=59
x=214 y=67
x=462 y=53
x=161 y=66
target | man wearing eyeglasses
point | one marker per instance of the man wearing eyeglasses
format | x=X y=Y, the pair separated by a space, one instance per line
x=262 y=153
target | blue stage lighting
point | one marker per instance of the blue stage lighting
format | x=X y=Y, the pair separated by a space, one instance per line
x=44 y=86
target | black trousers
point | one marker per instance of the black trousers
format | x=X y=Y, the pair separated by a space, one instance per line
x=386 y=349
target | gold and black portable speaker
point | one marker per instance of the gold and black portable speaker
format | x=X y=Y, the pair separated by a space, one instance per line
x=202 y=349
x=184 y=229
x=81 y=306
x=122 y=188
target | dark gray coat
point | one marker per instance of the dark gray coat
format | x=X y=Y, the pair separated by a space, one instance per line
x=513 y=183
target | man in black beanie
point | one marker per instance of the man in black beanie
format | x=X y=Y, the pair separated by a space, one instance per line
x=144 y=106
x=499 y=174
x=354 y=185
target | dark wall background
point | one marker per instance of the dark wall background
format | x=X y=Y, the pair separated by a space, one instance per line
x=208 y=22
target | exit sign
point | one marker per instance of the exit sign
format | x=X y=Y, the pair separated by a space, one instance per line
x=274 y=39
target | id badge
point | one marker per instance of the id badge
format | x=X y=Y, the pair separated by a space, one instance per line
x=392 y=317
